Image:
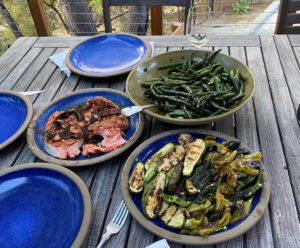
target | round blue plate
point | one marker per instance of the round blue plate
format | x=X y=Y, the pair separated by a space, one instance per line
x=36 y=142
x=133 y=201
x=42 y=205
x=107 y=55
x=15 y=114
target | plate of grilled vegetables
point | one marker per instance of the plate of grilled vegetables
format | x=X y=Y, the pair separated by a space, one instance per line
x=83 y=128
x=191 y=87
x=195 y=187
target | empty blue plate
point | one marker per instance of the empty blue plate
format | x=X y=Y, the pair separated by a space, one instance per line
x=36 y=142
x=42 y=205
x=107 y=55
x=15 y=115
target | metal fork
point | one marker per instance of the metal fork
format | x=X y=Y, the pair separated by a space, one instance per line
x=116 y=223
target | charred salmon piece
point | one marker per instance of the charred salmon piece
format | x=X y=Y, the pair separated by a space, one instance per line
x=73 y=150
x=52 y=119
x=112 y=138
x=56 y=149
x=112 y=121
x=92 y=149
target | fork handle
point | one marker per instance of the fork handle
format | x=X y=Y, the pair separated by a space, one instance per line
x=105 y=237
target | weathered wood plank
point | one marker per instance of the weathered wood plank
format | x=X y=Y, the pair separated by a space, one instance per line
x=282 y=207
x=294 y=39
x=290 y=67
x=14 y=54
x=286 y=117
x=20 y=68
x=160 y=41
x=261 y=234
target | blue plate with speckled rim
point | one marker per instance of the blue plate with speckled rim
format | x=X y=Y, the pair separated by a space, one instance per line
x=15 y=114
x=107 y=55
x=36 y=142
x=133 y=201
x=43 y=205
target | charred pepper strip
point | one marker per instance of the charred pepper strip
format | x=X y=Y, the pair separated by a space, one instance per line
x=174 y=199
x=170 y=65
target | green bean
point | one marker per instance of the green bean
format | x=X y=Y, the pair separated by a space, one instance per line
x=225 y=96
x=213 y=55
x=174 y=92
x=215 y=105
x=233 y=79
x=170 y=65
x=233 y=99
x=153 y=79
x=217 y=82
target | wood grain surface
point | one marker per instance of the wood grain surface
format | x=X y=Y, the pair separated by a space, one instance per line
x=267 y=123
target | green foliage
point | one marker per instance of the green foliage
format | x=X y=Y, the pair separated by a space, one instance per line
x=20 y=12
x=242 y=7
x=97 y=6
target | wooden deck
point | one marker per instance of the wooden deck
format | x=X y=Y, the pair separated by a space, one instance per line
x=267 y=123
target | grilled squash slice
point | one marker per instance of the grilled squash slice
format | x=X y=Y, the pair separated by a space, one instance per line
x=153 y=202
x=172 y=158
x=195 y=150
x=136 y=180
x=173 y=217
x=185 y=140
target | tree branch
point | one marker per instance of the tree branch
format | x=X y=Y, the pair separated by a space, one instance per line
x=51 y=5
x=10 y=20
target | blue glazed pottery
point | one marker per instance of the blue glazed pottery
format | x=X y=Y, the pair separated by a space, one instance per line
x=107 y=55
x=41 y=207
x=77 y=98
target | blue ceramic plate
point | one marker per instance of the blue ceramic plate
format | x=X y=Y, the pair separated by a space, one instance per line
x=107 y=55
x=133 y=201
x=15 y=114
x=36 y=141
x=42 y=205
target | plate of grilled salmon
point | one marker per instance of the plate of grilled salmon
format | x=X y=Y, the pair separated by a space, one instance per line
x=83 y=128
x=195 y=187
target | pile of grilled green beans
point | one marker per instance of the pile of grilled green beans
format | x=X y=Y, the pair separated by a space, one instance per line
x=196 y=88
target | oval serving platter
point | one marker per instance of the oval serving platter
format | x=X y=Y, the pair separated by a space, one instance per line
x=15 y=115
x=149 y=69
x=36 y=142
x=156 y=226
x=43 y=205
x=107 y=55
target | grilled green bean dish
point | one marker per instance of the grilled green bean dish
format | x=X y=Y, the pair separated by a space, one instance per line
x=196 y=88
x=198 y=185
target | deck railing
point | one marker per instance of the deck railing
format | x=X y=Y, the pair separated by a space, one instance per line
x=53 y=18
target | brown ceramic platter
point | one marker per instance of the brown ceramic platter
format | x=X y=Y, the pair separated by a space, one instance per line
x=149 y=69
x=36 y=142
x=47 y=175
x=107 y=55
x=150 y=146
x=27 y=104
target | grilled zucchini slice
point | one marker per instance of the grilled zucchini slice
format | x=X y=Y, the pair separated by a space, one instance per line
x=173 y=217
x=152 y=163
x=136 y=180
x=172 y=158
x=185 y=140
x=195 y=151
x=153 y=202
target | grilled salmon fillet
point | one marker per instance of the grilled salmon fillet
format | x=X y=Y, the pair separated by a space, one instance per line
x=71 y=132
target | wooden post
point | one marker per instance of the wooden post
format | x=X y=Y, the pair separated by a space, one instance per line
x=39 y=17
x=156 y=20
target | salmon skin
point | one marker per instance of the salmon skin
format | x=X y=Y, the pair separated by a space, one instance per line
x=93 y=128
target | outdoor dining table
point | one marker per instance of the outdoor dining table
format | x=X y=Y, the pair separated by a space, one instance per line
x=268 y=123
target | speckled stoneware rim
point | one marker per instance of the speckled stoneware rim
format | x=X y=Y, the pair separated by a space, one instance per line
x=249 y=222
x=188 y=122
x=86 y=198
x=26 y=121
x=89 y=161
x=102 y=75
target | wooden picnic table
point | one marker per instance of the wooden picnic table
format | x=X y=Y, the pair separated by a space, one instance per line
x=267 y=123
